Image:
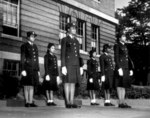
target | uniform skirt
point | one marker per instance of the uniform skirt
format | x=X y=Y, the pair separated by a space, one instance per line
x=32 y=79
x=123 y=81
x=95 y=84
x=109 y=80
x=52 y=84
x=73 y=75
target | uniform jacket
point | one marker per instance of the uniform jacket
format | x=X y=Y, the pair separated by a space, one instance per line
x=148 y=65
x=29 y=57
x=50 y=64
x=70 y=52
x=106 y=63
x=92 y=68
x=121 y=57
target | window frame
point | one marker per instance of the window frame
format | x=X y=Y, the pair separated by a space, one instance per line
x=95 y=36
x=8 y=67
x=67 y=20
x=81 y=33
x=63 y=31
x=17 y=17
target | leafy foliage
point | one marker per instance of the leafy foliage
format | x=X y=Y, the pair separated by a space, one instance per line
x=135 y=21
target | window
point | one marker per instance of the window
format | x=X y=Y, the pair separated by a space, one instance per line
x=11 y=17
x=81 y=31
x=11 y=68
x=63 y=20
x=95 y=37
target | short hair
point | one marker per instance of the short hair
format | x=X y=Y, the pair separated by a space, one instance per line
x=91 y=52
x=105 y=47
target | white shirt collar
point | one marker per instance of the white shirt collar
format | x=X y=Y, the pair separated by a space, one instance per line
x=105 y=53
x=93 y=58
x=30 y=42
x=71 y=36
x=122 y=43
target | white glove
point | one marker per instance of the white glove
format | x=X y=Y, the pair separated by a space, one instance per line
x=81 y=70
x=24 y=73
x=59 y=81
x=47 y=78
x=91 y=80
x=120 y=71
x=64 y=70
x=40 y=79
x=39 y=74
x=103 y=78
x=131 y=73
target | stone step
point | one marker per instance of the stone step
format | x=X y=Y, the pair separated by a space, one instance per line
x=85 y=102
x=14 y=103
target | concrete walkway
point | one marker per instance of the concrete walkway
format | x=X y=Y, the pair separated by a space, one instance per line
x=140 y=109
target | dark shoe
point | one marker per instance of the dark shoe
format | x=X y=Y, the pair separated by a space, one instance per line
x=68 y=106
x=27 y=105
x=48 y=104
x=121 y=106
x=92 y=103
x=106 y=104
x=126 y=106
x=110 y=104
x=33 y=105
x=75 y=106
x=53 y=104
x=96 y=103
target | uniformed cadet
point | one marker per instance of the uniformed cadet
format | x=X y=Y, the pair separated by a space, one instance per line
x=107 y=73
x=123 y=71
x=71 y=66
x=52 y=79
x=29 y=68
x=93 y=77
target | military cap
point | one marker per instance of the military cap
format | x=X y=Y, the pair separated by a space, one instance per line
x=73 y=24
x=105 y=47
x=29 y=33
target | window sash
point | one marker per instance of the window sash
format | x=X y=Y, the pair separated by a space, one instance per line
x=94 y=33
x=95 y=37
x=64 y=19
x=81 y=33
x=11 y=68
x=10 y=14
x=80 y=28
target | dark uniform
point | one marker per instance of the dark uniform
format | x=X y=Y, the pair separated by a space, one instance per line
x=51 y=69
x=122 y=61
x=30 y=63
x=70 y=58
x=107 y=70
x=92 y=71
x=148 y=65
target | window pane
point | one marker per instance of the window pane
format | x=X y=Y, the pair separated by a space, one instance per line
x=11 y=68
x=80 y=29
x=95 y=37
x=81 y=34
x=11 y=17
x=10 y=13
x=64 y=19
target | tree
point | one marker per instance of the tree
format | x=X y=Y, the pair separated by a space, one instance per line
x=135 y=21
